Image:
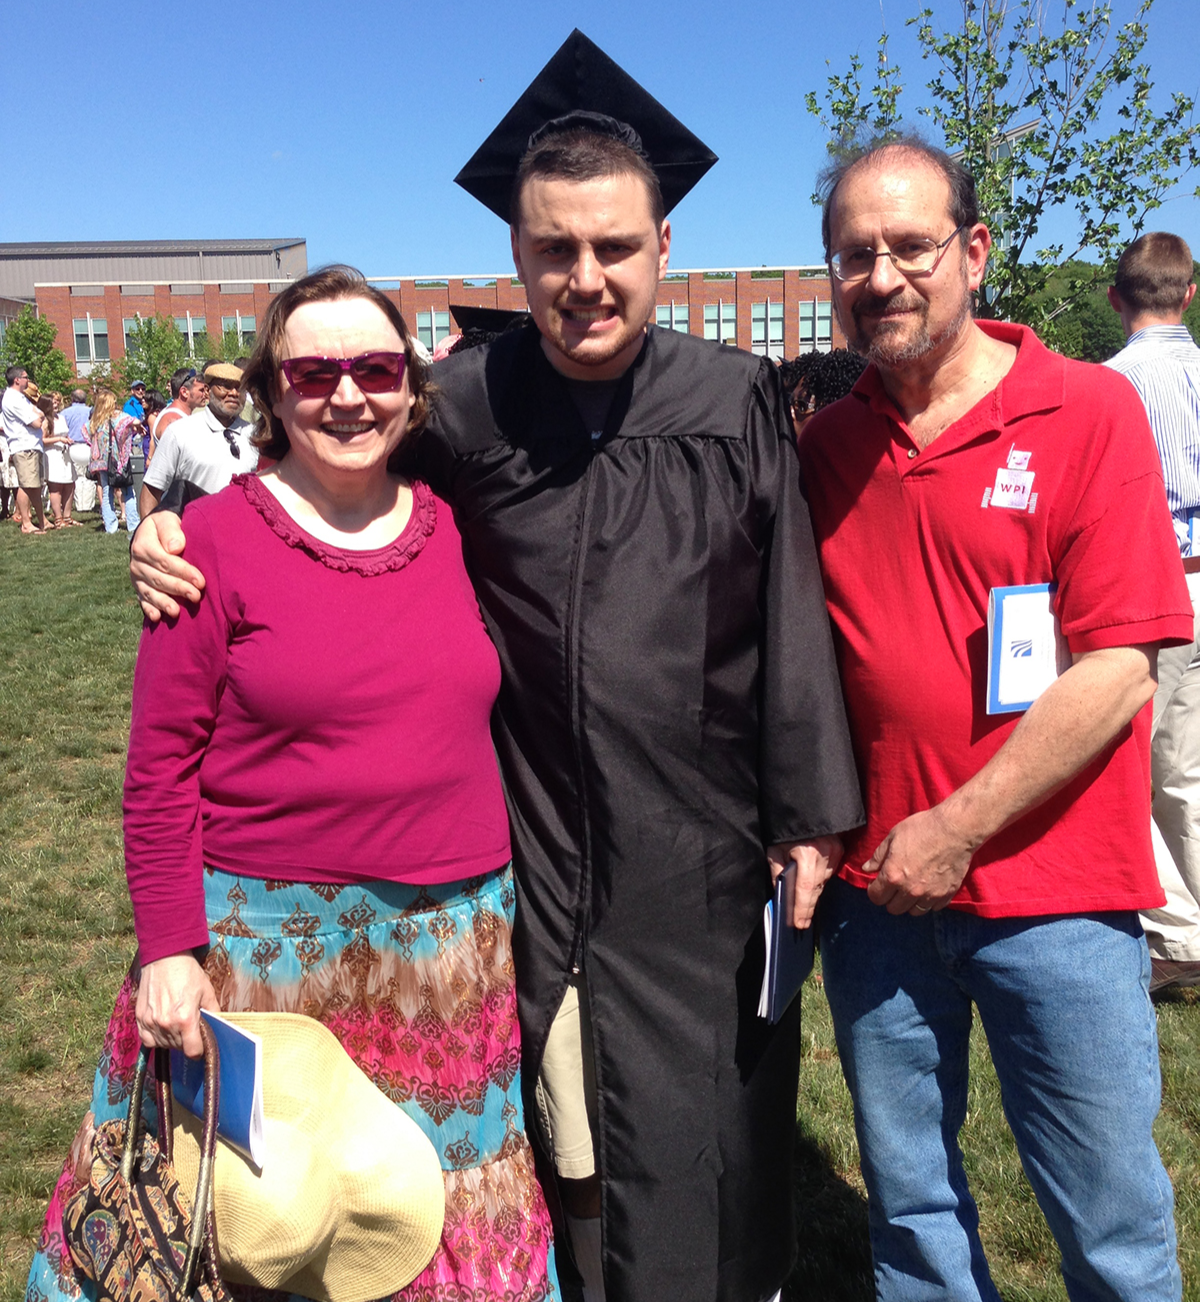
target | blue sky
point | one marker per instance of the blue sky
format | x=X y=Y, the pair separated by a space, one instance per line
x=345 y=123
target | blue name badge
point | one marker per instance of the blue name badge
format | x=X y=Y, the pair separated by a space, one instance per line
x=1026 y=648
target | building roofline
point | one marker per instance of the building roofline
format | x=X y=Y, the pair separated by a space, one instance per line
x=107 y=284
x=83 y=248
x=815 y=267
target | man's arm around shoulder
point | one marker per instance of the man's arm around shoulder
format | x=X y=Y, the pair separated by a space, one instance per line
x=160 y=576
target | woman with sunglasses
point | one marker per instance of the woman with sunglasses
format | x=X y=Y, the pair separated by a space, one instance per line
x=313 y=814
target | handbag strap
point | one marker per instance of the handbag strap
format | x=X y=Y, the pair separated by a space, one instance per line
x=203 y=1222
x=202 y=1246
x=164 y=1099
x=133 y=1122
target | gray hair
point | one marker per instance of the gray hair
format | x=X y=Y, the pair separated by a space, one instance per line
x=964 y=206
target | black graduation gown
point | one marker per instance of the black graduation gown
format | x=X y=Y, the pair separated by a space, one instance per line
x=670 y=705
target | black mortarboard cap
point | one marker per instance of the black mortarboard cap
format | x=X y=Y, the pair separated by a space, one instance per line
x=581 y=76
x=487 y=318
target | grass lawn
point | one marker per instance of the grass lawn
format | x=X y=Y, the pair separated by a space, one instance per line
x=68 y=635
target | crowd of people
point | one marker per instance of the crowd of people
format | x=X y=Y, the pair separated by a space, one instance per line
x=700 y=621
x=55 y=458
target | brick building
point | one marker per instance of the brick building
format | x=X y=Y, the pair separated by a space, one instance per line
x=94 y=319
x=776 y=312
x=10 y=309
x=95 y=292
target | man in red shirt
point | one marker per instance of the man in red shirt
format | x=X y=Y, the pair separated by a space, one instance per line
x=1005 y=855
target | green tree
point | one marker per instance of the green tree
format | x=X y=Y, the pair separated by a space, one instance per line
x=1191 y=318
x=154 y=349
x=229 y=348
x=29 y=342
x=1087 y=327
x=1052 y=115
x=222 y=348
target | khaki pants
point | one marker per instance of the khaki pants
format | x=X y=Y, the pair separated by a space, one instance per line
x=28 y=466
x=1173 y=932
x=566 y=1087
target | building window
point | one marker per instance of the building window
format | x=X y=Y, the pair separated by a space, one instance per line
x=766 y=329
x=672 y=316
x=816 y=325
x=432 y=328
x=128 y=325
x=91 y=339
x=194 y=329
x=824 y=325
x=242 y=325
x=720 y=322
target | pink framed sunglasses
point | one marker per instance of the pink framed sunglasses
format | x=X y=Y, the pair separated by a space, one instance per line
x=319 y=377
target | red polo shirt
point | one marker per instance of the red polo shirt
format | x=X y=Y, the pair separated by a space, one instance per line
x=1051 y=477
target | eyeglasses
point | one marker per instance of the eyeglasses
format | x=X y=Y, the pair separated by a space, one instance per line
x=319 y=377
x=913 y=256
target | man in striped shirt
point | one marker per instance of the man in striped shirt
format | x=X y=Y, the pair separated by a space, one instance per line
x=1151 y=291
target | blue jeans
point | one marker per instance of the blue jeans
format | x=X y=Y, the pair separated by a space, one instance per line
x=1064 y=1003
x=108 y=511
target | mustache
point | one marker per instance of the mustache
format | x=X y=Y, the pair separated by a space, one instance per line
x=878 y=304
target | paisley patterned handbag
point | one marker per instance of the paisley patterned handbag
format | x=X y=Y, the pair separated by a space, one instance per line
x=130 y=1228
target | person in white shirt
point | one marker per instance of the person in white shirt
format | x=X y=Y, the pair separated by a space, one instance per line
x=201 y=453
x=60 y=476
x=84 y=496
x=8 y=484
x=23 y=425
x=1151 y=290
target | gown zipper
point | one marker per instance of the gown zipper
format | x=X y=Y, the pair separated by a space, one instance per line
x=575 y=960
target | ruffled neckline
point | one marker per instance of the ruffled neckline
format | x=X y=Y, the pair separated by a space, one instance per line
x=381 y=560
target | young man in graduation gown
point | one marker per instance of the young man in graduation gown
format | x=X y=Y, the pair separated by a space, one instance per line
x=670 y=725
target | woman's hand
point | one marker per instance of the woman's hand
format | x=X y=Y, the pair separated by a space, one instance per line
x=171 y=994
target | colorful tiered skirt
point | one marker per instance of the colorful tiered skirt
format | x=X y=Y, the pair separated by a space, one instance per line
x=417 y=984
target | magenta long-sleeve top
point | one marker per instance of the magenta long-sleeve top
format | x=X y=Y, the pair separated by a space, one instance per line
x=321 y=715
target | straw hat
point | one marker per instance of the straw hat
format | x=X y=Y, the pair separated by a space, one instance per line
x=349 y=1204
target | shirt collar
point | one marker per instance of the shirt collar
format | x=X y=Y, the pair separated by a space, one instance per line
x=1036 y=383
x=1159 y=333
x=236 y=426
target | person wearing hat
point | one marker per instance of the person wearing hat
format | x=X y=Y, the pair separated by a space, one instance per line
x=670 y=725
x=201 y=453
x=135 y=404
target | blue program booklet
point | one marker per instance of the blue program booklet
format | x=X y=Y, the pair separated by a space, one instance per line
x=240 y=1104
x=789 y=950
x=1026 y=648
